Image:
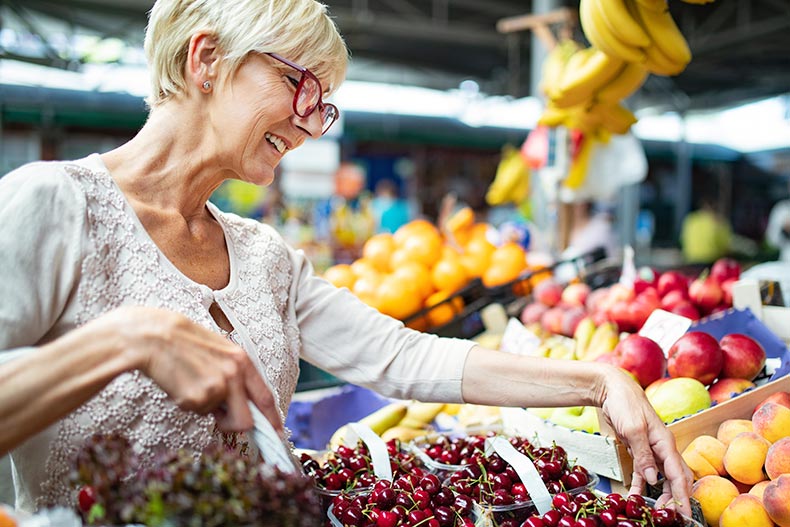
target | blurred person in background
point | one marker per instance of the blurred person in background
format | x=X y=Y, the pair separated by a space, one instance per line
x=136 y=306
x=390 y=210
x=778 y=231
x=591 y=228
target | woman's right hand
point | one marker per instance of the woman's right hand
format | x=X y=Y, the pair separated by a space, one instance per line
x=201 y=370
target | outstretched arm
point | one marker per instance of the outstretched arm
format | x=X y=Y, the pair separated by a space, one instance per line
x=502 y=379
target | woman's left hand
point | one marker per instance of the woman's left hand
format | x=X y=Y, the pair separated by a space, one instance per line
x=649 y=441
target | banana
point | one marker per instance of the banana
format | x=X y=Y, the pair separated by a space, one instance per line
x=379 y=421
x=659 y=64
x=575 y=63
x=614 y=117
x=554 y=65
x=654 y=5
x=699 y=2
x=665 y=35
x=583 y=334
x=598 y=33
x=403 y=433
x=579 y=86
x=630 y=78
x=419 y=415
x=579 y=118
x=552 y=116
x=622 y=25
x=603 y=341
x=511 y=180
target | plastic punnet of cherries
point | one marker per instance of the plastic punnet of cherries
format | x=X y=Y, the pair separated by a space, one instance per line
x=350 y=468
x=490 y=480
x=409 y=500
x=612 y=510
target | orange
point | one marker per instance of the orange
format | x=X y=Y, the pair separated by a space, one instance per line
x=500 y=273
x=462 y=220
x=378 y=250
x=449 y=253
x=419 y=323
x=441 y=315
x=510 y=255
x=398 y=297
x=341 y=275
x=412 y=227
x=362 y=267
x=418 y=274
x=367 y=285
x=449 y=275
x=479 y=231
x=479 y=246
x=6 y=520
x=475 y=264
x=424 y=246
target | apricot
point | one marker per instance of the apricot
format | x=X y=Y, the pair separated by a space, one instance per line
x=713 y=493
x=704 y=456
x=731 y=428
x=777 y=460
x=776 y=500
x=759 y=488
x=772 y=421
x=745 y=457
x=745 y=510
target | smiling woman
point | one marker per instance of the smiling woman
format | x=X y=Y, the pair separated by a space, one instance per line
x=132 y=305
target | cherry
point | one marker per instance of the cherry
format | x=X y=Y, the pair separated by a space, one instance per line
x=589 y=521
x=664 y=517
x=616 y=501
x=463 y=504
x=634 y=506
x=566 y=521
x=421 y=498
x=353 y=516
x=387 y=519
x=444 y=515
x=552 y=517
x=628 y=523
x=534 y=521
x=415 y=517
x=86 y=498
x=563 y=498
x=333 y=482
x=444 y=497
x=431 y=484
x=344 y=452
x=608 y=517
x=501 y=481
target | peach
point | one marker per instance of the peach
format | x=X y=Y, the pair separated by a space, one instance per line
x=743 y=488
x=759 y=488
x=714 y=493
x=745 y=457
x=732 y=427
x=704 y=456
x=745 y=510
x=772 y=421
x=782 y=398
x=776 y=500
x=777 y=461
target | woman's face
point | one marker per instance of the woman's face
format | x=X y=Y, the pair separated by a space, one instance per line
x=254 y=122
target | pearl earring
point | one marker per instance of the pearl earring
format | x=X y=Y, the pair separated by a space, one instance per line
x=207 y=85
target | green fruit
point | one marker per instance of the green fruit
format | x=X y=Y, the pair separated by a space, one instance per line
x=678 y=398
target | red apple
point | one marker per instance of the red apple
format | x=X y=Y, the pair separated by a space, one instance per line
x=705 y=293
x=782 y=398
x=620 y=314
x=642 y=357
x=609 y=358
x=646 y=277
x=596 y=297
x=744 y=357
x=532 y=313
x=671 y=281
x=599 y=317
x=726 y=289
x=548 y=292
x=685 y=309
x=552 y=320
x=673 y=298
x=725 y=269
x=696 y=355
x=570 y=319
x=727 y=387
x=575 y=294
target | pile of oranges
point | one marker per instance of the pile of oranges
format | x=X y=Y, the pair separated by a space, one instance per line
x=418 y=267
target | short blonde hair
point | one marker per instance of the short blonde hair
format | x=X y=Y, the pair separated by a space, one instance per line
x=299 y=30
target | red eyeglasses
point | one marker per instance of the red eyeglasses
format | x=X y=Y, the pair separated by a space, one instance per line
x=308 y=95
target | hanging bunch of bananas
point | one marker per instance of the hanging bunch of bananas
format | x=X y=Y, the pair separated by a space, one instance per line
x=637 y=31
x=511 y=182
x=584 y=88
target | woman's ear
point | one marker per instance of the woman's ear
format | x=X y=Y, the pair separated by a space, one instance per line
x=202 y=60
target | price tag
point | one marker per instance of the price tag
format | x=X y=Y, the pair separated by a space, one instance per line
x=665 y=328
x=379 y=456
x=524 y=468
x=518 y=340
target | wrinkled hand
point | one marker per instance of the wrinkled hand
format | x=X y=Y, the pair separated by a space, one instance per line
x=649 y=441
x=199 y=369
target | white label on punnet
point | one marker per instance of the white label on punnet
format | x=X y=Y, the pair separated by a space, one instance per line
x=269 y=443
x=525 y=470
x=377 y=448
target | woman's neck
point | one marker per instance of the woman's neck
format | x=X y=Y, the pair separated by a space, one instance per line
x=169 y=163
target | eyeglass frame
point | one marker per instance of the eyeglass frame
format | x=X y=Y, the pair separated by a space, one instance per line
x=320 y=105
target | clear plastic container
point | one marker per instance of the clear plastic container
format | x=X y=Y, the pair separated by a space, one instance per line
x=421 y=445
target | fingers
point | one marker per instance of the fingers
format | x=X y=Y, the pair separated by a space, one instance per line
x=236 y=417
x=637 y=484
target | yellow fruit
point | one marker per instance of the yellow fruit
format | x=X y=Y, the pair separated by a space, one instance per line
x=341 y=275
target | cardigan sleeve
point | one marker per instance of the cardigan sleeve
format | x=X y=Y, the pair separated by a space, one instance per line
x=355 y=342
x=42 y=223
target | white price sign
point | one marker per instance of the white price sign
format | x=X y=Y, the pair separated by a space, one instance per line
x=665 y=328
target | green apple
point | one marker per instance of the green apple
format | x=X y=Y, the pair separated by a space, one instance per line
x=543 y=413
x=679 y=397
x=577 y=418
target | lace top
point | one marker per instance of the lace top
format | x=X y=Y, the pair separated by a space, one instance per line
x=72 y=248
